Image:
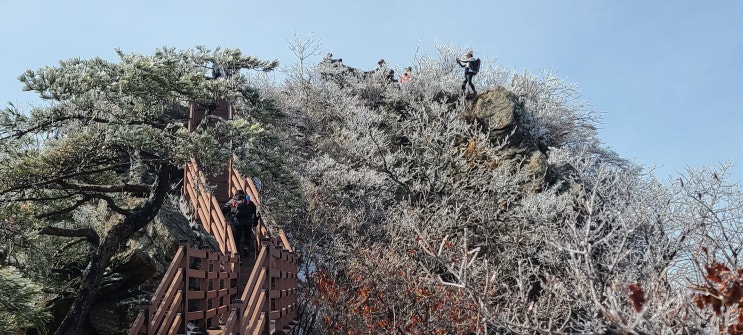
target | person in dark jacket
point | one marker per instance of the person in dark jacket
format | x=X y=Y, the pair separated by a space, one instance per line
x=383 y=70
x=466 y=63
x=242 y=213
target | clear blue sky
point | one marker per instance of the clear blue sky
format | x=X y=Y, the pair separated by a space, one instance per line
x=667 y=75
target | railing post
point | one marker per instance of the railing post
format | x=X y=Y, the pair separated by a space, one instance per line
x=145 y=308
x=270 y=324
x=235 y=307
x=184 y=288
x=226 y=234
x=208 y=266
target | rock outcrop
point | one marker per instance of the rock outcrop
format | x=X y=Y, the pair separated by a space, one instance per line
x=137 y=270
x=501 y=115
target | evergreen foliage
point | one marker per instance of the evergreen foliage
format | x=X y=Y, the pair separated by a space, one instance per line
x=414 y=209
x=20 y=306
x=93 y=164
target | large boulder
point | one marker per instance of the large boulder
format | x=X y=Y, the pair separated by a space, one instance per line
x=137 y=270
x=501 y=115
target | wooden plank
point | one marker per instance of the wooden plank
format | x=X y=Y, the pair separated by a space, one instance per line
x=163 y=307
x=232 y=322
x=196 y=273
x=191 y=295
x=219 y=331
x=285 y=241
x=137 y=325
x=169 y=321
x=195 y=315
x=174 y=326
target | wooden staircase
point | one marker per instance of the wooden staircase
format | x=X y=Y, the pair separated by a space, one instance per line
x=222 y=291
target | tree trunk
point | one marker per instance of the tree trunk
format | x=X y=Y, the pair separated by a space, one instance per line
x=101 y=256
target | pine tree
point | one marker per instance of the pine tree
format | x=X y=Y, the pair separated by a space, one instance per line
x=111 y=135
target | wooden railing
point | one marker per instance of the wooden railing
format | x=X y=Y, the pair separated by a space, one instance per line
x=248 y=313
x=269 y=295
x=206 y=208
x=196 y=289
x=268 y=300
x=274 y=274
x=282 y=288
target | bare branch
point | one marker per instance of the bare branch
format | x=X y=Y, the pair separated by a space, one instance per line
x=89 y=234
x=55 y=179
x=85 y=198
x=131 y=188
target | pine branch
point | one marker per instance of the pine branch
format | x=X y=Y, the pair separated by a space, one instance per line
x=88 y=233
x=131 y=188
x=56 y=179
x=44 y=126
x=85 y=198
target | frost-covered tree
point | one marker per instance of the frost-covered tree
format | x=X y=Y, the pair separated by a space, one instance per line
x=92 y=164
x=428 y=213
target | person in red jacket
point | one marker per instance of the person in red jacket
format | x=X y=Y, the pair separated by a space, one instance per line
x=406 y=77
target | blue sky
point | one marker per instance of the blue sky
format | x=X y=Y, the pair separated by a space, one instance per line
x=667 y=75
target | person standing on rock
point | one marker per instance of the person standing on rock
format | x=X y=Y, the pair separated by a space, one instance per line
x=471 y=66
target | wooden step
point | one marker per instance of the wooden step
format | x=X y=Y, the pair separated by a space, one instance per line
x=215 y=331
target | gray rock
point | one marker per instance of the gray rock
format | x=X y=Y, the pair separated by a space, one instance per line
x=138 y=268
x=500 y=114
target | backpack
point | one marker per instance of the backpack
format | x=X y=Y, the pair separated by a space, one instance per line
x=238 y=208
x=475 y=65
x=239 y=211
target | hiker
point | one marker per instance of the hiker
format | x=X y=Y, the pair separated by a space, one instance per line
x=381 y=65
x=242 y=211
x=406 y=76
x=471 y=67
x=329 y=59
x=389 y=74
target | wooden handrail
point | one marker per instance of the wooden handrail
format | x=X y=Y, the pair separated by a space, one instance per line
x=232 y=320
x=136 y=327
x=278 y=259
x=268 y=300
x=285 y=241
x=252 y=304
x=256 y=306
x=168 y=322
x=207 y=208
x=167 y=309
x=174 y=325
x=166 y=291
